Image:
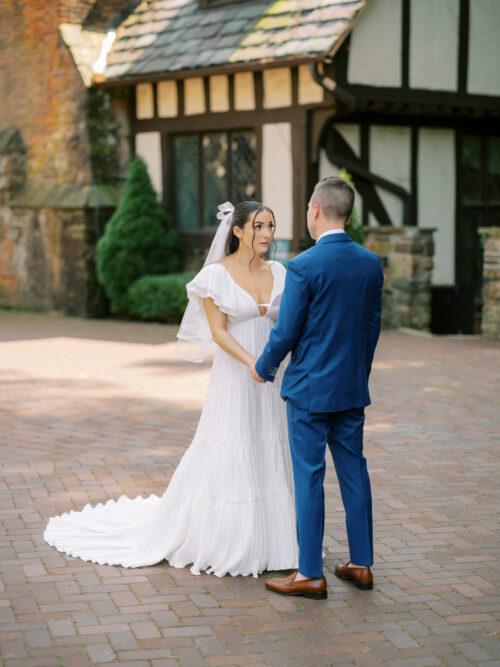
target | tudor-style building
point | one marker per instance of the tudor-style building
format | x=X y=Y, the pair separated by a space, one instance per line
x=238 y=99
x=259 y=99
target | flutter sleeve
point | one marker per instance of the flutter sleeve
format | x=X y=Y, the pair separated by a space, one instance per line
x=212 y=281
x=195 y=341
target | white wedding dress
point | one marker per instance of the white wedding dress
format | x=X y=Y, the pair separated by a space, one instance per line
x=229 y=507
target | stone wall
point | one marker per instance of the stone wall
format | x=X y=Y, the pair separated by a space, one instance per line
x=490 y=326
x=42 y=264
x=406 y=253
x=59 y=143
x=12 y=163
x=47 y=250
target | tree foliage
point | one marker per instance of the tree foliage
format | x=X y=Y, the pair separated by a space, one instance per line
x=138 y=239
x=353 y=227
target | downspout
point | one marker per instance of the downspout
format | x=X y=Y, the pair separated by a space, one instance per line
x=342 y=95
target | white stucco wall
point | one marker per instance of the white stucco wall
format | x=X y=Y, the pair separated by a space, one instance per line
x=148 y=146
x=375 y=51
x=434 y=44
x=326 y=168
x=351 y=133
x=390 y=157
x=277 y=175
x=483 y=76
x=436 y=197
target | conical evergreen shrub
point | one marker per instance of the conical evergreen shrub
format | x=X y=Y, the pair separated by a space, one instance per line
x=138 y=239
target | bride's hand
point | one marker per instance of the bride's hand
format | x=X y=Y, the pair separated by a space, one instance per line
x=254 y=375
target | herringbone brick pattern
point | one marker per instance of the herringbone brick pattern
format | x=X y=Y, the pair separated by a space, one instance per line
x=92 y=410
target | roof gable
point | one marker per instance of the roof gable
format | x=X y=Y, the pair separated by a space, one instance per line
x=165 y=36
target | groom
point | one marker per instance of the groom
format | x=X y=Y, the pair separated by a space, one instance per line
x=330 y=321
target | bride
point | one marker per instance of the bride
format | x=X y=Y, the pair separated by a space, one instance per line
x=229 y=507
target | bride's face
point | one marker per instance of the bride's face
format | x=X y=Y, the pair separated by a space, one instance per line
x=257 y=233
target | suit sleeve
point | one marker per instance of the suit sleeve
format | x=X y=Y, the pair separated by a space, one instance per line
x=374 y=323
x=288 y=329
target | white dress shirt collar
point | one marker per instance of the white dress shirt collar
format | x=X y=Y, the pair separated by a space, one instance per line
x=331 y=231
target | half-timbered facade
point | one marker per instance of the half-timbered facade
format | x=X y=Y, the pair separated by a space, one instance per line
x=259 y=99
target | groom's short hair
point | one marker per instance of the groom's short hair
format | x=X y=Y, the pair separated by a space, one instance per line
x=335 y=197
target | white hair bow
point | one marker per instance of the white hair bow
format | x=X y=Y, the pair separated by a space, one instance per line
x=225 y=210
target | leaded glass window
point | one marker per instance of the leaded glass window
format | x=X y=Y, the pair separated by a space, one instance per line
x=215 y=175
x=187 y=200
x=211 y=168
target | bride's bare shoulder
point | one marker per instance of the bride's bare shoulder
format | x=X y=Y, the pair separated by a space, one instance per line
x=276 y=265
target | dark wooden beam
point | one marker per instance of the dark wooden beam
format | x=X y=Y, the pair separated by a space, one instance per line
x=133 y=120
x=155 y=100
x=340 y=63
x=340 y=153
x=405 y=44
x=463 y=46
x=299 y=175
x=319 y=121
x=206 y=90
x=414 y=98
x=413 y=218
x=180 y=98
x=230 y=84
x=294 y=72
x=365 y=160
x=354 y=167
x=219 y=121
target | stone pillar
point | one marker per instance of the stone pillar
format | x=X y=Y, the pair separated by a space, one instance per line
x=406 y=254
x=490 y=326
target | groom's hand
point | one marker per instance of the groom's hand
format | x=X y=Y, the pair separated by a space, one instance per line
x=255 y=376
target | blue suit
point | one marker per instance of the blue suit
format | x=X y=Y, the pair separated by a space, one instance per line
x=330 y=322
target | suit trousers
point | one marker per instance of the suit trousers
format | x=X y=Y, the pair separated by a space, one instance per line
x=309 y=434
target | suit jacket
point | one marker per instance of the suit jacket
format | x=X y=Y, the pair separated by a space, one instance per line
x=330 y=321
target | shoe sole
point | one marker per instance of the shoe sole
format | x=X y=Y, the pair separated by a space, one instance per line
x=358 y=584
x=320 y=595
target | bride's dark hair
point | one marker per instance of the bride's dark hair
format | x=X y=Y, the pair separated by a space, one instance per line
x=241 y=215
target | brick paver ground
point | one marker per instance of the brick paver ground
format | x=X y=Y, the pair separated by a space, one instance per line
x=91 y=410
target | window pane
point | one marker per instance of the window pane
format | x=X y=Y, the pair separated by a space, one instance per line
x=186 y=181
x=215 y=186
x=243 y=166
x=471 y=169
x=494 y=170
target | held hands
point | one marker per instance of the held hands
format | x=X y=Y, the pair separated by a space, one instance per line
x=253 y=373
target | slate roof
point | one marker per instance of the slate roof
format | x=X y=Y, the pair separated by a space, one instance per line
x=163 y=36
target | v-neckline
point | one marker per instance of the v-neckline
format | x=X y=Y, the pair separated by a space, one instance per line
x=248 y=293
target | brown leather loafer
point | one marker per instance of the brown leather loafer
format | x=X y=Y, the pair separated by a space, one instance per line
x=315 y=589
x=361 y=577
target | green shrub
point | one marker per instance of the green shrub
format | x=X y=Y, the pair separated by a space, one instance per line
x=354 y=227
x=159 y=298
x=138 y=239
